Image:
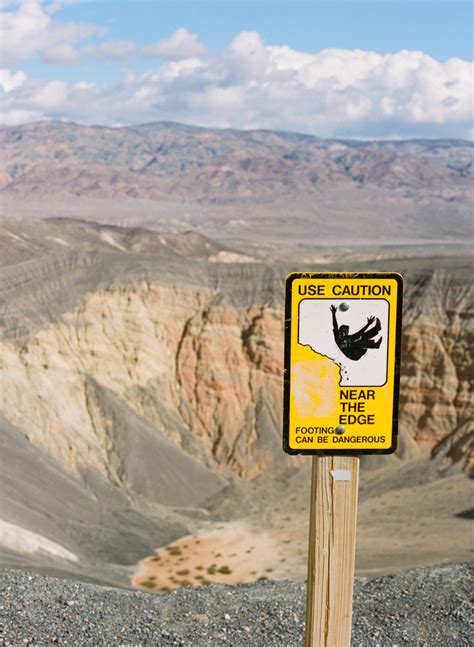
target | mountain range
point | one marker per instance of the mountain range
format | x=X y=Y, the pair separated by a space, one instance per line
x=258 y=186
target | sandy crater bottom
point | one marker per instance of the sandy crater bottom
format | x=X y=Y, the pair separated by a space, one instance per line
x=399 y=527
x=233 y=553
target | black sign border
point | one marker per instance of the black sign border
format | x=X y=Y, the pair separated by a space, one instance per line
x=286 y=373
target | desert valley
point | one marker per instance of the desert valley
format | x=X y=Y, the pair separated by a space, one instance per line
x=141 y=348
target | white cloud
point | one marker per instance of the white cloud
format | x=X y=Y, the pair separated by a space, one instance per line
x=246 y=58
x=29 y=29
x=112 y=50
x=250 y=84
x=14 y=117
x=83 y=85
x=11 y=81
x=59 y=5
x=181 y=44
x=62 y=53
x=49 y=96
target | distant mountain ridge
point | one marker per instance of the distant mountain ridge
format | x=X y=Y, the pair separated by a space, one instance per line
x=261 y=187
x=163 y=159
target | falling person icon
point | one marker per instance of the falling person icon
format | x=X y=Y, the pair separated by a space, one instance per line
x=356 y=345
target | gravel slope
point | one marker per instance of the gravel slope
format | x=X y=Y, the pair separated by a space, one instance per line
x=423 y=607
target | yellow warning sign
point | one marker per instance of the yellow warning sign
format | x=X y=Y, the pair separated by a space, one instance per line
x=342 y=357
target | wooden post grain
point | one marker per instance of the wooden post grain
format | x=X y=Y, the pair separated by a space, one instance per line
x=331 y=554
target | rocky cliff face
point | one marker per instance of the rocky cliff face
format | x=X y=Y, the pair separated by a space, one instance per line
x=141 y=395
x=436 y=394
x=199 y=366
x=206 y=377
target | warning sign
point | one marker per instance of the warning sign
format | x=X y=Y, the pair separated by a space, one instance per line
x=342 y=354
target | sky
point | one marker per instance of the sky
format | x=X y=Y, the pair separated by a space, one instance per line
x=333 y=68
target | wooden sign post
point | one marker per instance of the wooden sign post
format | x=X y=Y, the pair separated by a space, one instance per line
x=342 y=358
x=331 y=551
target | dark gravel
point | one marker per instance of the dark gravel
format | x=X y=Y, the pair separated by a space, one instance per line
x=423 y=607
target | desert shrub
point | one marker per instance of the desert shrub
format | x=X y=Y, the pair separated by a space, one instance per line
x=225 y=570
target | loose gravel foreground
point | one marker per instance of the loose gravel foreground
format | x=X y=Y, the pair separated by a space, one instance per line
x=423 y=607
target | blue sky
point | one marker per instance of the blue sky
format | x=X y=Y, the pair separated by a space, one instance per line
x=228 y=63
x=441 y=29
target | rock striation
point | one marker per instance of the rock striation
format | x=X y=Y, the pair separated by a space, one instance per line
x=198 y=362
